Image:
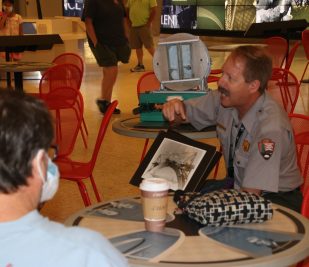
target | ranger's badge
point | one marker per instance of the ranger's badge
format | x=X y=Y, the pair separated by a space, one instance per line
x=246 y=145
x=266 y=148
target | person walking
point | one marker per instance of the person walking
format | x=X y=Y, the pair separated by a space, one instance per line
x=140 y=16
x=105 y=27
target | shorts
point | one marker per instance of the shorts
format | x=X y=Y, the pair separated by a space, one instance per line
x=140 y=36
x=108 y=56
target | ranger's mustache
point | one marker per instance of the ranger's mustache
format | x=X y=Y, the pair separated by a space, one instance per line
x=222 y=90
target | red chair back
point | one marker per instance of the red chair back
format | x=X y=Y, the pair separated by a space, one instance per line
x=284 y=87
x=63 y=75
x=70 y=58
x=67 y=103
x=103 y=127
x=79 y=171
x=277 y=48
x=300 y=125
x=147 y=82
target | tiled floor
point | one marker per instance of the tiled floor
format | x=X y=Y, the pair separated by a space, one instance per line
x=119 y=155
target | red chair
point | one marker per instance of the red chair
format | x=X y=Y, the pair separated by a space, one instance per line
x=305 y=205
x=147 y=82
x=67 y=102
x=277 y=48
x=79 y=171
x=284 y=87
x=305 y=212
x=75 y=59
x=305 y=42
x=70 y=58
x=60 y=76
x=291 y=56
x=300 y=125
x=214 y=75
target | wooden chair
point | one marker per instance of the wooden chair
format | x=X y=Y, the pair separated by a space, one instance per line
x=277 y=48
x=76 y=171
x=284 y=87
x=300 y=125
x=305 y=42
x=147 y=82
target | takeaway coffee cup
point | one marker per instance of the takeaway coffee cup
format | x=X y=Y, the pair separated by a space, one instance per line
x=154 y=199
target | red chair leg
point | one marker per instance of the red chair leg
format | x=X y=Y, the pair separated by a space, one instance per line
x=94 y=186
x=144 y=149
x=302 y=77
x=84 y=193
x=84 y=137
x=58 y=123
x=85 y=126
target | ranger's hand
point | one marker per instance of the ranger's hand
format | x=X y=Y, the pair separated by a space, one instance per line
x=174 y=110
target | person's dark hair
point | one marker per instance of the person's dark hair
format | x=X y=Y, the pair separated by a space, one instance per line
x=10 y=1
x=258 y=64
x=25 y=127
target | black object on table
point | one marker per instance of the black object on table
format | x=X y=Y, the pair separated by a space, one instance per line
x=21 y=43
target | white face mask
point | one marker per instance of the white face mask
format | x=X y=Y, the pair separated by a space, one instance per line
x=7 y=9
x=50 y=182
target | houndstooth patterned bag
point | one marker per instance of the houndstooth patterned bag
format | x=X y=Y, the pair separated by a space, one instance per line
x=228 y=207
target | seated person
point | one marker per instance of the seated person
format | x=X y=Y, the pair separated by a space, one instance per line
x=255 y=132
x=27 y=178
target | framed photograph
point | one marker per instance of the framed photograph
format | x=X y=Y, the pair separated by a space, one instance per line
x=183 y=162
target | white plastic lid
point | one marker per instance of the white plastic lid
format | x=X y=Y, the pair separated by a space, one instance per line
x=154 y=184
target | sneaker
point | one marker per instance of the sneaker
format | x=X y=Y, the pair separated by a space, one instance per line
x=138 y=68
x=103 y=105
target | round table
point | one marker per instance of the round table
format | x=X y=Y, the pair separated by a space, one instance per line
x=19 y=67
x=184 y=244
x=130 y=127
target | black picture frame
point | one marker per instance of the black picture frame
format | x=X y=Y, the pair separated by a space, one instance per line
x=184 y=162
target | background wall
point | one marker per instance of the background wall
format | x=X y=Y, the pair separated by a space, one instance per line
x=28 y=8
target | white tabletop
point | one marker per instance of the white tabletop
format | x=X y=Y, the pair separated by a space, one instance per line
x=190 y=247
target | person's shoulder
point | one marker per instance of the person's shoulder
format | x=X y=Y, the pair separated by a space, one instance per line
x=76 y=235
x=272 y=115
x=84 y=242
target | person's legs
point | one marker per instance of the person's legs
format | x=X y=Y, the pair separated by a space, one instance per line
x=139 y=55
x=107 y=85
x=292 y=200
x=145 y=37
x=151 y=50
x=108 y=82
x=106 y=57
x=136 y=43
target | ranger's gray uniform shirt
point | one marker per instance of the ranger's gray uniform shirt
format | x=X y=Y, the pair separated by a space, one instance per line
x=266 y=126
